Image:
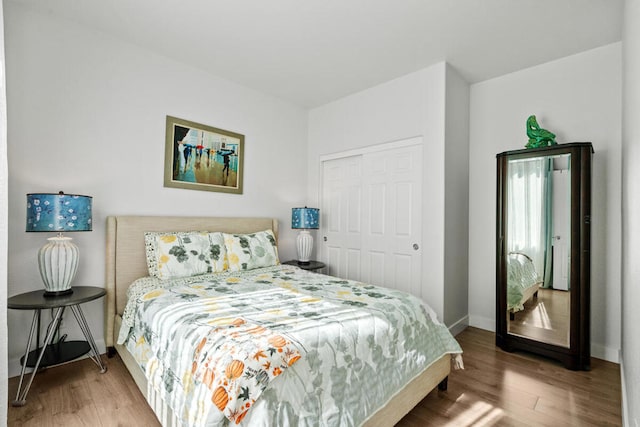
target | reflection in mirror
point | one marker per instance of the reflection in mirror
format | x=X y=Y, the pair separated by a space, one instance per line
x=539 y=247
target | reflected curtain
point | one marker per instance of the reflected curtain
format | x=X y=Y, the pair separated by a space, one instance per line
x=528 y=212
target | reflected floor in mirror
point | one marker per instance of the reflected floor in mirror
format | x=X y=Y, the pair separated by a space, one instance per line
x=544 y=318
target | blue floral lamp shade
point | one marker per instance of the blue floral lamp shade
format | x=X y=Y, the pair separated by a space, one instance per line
x=305 y=219
x=58 y=213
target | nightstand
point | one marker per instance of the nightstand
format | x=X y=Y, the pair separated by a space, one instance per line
x=310 y=266
x=63 y=351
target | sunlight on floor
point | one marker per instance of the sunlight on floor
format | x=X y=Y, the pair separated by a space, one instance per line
x=478 y=414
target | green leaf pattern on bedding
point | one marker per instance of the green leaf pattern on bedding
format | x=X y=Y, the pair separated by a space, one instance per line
x=251 y=251
x=173 y=255
x=358 y=343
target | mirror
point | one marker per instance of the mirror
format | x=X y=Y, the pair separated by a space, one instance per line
x=543 y=252
x=538 y=241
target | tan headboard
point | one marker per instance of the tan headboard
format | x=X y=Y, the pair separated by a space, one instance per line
x=126 y=260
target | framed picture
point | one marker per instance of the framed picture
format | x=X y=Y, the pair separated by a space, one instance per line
x=201 y=157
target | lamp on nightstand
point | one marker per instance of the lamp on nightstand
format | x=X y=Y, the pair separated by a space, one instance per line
x=58 y=258
x=305 y=219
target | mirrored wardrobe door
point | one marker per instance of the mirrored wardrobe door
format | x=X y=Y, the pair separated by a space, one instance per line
x=542 y=253
x=538 y=242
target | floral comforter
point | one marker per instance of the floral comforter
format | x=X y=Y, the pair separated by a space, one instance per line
x=278 y=346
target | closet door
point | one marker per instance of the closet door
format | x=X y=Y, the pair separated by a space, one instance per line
x=392 y=226
x=342 y=216
x=373 y=208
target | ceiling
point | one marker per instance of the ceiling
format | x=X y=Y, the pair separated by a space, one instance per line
x=311 y=52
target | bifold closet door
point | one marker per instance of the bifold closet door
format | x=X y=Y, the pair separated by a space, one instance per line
x=373 y=207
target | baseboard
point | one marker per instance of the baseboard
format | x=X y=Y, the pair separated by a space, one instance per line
x=15 y=367
x=623 y=388
x=488 y=324
x=626 y=422
x=605 y=353
x=459 y=326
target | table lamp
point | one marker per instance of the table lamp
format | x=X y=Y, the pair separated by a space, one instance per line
x=58 y=258
x=304 y=219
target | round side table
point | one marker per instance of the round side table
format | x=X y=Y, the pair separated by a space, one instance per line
x=310 y=266
x=50 y=353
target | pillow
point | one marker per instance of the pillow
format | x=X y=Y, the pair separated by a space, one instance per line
x=249 y=251
x=184 y=254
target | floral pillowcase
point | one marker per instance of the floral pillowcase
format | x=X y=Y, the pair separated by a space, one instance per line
x=249 y=251
x=183 y=254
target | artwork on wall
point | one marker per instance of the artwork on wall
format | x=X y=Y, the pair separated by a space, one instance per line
x=201 y=157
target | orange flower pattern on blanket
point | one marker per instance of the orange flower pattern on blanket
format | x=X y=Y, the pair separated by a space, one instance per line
x=237 y=361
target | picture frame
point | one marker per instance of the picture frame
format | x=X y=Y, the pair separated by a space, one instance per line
x=201 y=157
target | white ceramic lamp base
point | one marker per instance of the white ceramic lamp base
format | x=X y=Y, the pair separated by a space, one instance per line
x=58 y=263
x=304 y=244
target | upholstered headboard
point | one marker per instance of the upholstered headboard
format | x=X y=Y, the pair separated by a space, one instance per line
x=126 y=260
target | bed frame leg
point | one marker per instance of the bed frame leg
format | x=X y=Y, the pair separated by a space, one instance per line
x=512 y=316
x=111 y=351
x=535 y=295
x=443 y=384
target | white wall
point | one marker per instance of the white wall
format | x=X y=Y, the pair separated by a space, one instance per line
x=630 y=214
x=456 y=218
x=4 y=186
x=412 y=105
x=87 y=115
x=579 y=99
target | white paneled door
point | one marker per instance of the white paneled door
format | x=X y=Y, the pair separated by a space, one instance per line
x=342 y=216
x=372 y=205
x=561 y=229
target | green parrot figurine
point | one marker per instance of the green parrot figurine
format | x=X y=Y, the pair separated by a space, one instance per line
x=538 y=137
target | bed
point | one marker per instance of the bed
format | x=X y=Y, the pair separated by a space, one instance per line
x=523 y=282
x=126 y=263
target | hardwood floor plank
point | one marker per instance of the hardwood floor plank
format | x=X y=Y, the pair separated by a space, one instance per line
x=496 y=388
x=76 y=394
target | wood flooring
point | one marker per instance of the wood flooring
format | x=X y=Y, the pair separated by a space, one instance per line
x=544 y=318
x=495 y=389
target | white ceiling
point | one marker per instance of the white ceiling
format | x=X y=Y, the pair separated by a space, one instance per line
x=311 y=52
